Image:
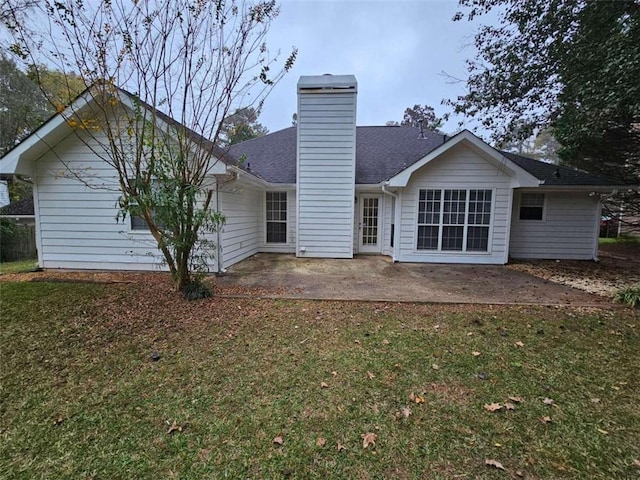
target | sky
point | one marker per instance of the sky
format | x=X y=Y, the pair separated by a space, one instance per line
x=398 y=51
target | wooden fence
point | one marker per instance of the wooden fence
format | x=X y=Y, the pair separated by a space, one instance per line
x=18 y=244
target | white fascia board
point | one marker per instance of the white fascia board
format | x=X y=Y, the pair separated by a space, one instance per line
x=245 y=176
x=521 y=177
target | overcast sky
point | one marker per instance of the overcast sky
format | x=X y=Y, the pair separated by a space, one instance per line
x=396 y=49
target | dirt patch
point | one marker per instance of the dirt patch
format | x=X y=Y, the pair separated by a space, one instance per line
x=619 y=266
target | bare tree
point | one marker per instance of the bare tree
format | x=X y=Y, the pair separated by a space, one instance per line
x=161 y=75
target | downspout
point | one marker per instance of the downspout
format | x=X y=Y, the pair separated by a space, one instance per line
x=218 y=246
x=395 y=218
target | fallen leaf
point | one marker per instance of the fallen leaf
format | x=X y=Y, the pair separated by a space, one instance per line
x=595 y=400
x=357 y=341
x=435 y=366
x=604 y=432
x=321 y=442
x=406 y=411
x=493 y=463
x=334 y=373
x=368 y=438
x=58 y=421
x=416 y=398
x=341 y=447
x=516 y=399
x=548 y=401
x=278 y=440
x=324 y=385
x=370 y=375
x=545 y=419
x=509 y=406
x=174 y=427
x=492 y=407
x=519 y=344
x=636 y=462
x=475 y=354
x=385 y=342
x=519 y=474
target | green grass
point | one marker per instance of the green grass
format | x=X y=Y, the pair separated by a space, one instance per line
x=624 y=239
x=81 y=396
x=19 y=266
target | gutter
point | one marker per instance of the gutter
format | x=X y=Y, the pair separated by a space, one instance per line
x=384 y=190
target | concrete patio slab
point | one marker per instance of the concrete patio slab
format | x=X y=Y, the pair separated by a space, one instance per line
x=377 y=278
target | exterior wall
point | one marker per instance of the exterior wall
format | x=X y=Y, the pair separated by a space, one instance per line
x=388 y=219
x=240 y=236
x=326 y=173
x=461 y=168
x=76 y=225
x=569 y=228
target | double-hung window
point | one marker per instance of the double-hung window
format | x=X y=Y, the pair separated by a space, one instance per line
x=454 y=220
x=276 y=217
x=531 y=206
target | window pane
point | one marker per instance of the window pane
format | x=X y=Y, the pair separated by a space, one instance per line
x=429 y=207
x=138 y=223
x=276 y=215
x=452 y=238
x=428 y=238
x=477 y=239
x=276 y=232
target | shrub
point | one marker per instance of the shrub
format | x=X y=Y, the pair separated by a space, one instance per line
x=629 y=295
x=196 y=289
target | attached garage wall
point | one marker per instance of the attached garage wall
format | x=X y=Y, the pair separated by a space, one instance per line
x=458 y=168
x=568 y=230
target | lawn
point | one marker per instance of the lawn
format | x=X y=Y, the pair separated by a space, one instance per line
x=125 y=380
x=19 y=266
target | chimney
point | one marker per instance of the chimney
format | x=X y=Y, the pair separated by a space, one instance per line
x=326 y=161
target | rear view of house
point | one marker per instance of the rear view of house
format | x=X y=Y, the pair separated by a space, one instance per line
x=329 y=189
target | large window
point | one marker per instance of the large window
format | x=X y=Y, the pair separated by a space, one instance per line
x=531 y=206
x=276 y=217
x=454 y=220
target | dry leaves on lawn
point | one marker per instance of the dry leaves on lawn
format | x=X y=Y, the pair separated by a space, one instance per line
x=416 y=398
x=279 y=440
x=324 y=385
x=545 y=419
x=492 y=407
x=548 y=401
x=321 y=442
x=368 y=439
x=494 y=463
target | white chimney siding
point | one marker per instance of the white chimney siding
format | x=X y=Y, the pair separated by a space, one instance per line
x=326 y=161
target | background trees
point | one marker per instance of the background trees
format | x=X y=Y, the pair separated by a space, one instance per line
x=570 y=66
x=420 y=115
x=242 y=125
x=192 y=61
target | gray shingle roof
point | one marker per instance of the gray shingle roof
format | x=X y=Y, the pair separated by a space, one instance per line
x=20 y=208
x=381 y=153
x=555 y=174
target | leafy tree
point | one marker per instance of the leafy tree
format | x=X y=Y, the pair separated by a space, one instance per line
x=187 y=60
x=421 y=113
x=59 y=88
x=542 y=146
x=569 y=65
x=24 y=106
x=242 y=125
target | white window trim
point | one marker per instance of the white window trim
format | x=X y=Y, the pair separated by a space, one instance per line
x=286 y=222
x=544 y=208
x=439 y=250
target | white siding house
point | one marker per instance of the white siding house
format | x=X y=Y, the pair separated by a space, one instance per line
x=325 y=188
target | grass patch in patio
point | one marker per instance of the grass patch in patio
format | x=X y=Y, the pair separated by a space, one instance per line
x=130 y=381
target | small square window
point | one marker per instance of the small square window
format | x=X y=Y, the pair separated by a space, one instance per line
x=531 y=206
